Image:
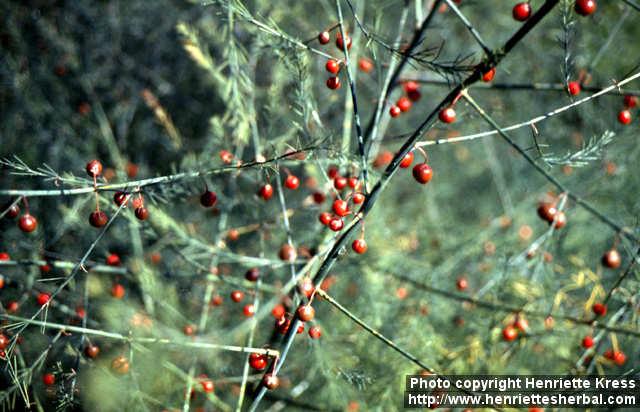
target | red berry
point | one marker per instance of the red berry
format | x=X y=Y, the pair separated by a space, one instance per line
x=257 y=361
x=522 y=11
x=252 y=274
x=447 y=115
x=340 y=42
x=325 y=218
x=80 y=312
x=318 y=197
x=94 y=168
x=365 y=65
x=587 y=342
x=113 y=260
x=27 y=223
x=341 y=207
x=43 y=298
x=48 y=379
x=332 y=172
x=547 y=211
x=561 y=220
x=406 y=160
x=237 y=295
x=142 y=213
x=599 y=309
x=619 y=358
x=315 y=332
x=117 y=291
x=332 y=66
x=414 y=95
x=4 y=341
x=208 y=198
x=207 y=384
x=306 y=287
x=333 y=83
x=292 y=182
x=585 y=7
x=352 y=182
x=394 y=111
x=630 y=102
x=358 y=198
x=574 y=88
x=92 y=351
x=462 y=284
x=423 y=173
x=278 y=311
x=611 y=259
x=410 y=86
x=4 y=256
x=216 y=300
x=624 y=117
x=266 y=192
x=359 y=246
x=120 y=198
x=489 y=75
x=226 y=156
x=306 y=313
x=12 y=211
x=270 y=381
x=324 y=37
x=336 y=224
x=287 y=253
x=249 y=310
x=404 y=104
x=98 y=218
x=340 y=182
x=189 y=330
x=509 y=333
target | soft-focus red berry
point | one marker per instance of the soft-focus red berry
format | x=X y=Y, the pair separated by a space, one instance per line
x=237 y=295
x=142 y=213
x=333 y=83
x=489 y=75
x=287 y=253
x=630 y=101
x=92 y=351
x=340 y=41
x=509 y=333
x=48 y=379
x=359 y=246
x=80 y=312
x=43 y=298
x=522 y=11
x=619 y=358
x=585 y=7
x=266 y=191
x=226 y=156
x=189 y=330
x=306 y=313
x=406 y=160
x=4 y=341
x=252 y=274
x=306 y=287
x=117 y=291
x=318 y=197
x=325 y=218
x=394 y=111
x=447 y=115
x=358 y=198
x=270 y=381
x=216 y=300
x=27 y=223
x=352 y=182
x=207 y=384
x=587 y=342
x=315 y=332
x=208 y=198
x=113 y=260
x=336 y=224
x=611 y=259
x=410 y=86
x=94 y=168
x=462 y=284
x=547 y=211
x=560 y=220
x=599 y=309
x=12 y=211
x=341 y=207
x=324 y=37
x=4 y=256
x=292 y=182
x=249 y=310
x=332 y=66
x=98 y=218
x=414 y=95
x=365 y=65
x=120 y=198
x=624 y=117
x=13 y=306
x=423 y=173
x=257 y=361
x=404 y=104
x=278 y=311
x=574 y=88
x=340 y=182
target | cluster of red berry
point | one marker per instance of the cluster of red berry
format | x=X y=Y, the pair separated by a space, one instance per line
x=522 y=11
x=333 y=66
x=404 y=103
x=629 y=102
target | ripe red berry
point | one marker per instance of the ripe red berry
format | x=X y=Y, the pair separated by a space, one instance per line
x=318 y=197
x=587 y=342
x=270 y=381
x=80 y=312
x=547 y=211
x=142 y=213
x=406 y=160
x=43 y=298
x=414 y=95
x=48 y=379
x=358 y=198
x=94 y=168
x=325 y=218
x=4 y=256
x=207 y=384
x=189 y=330
x=292 y=182
x=92 y=351
x=352 y=182
x=341 y=207
x=333 y=83
x=98 y=218
x=249 y=310
x=113 y=260
x=27 y=223
x=4 y=341
x=332 y=172
x=624 y=117
x=257 y=361
x=522 y=11
x=278 y=311
x=340 y=41
x=306 y=313
x=574 y=88
x=447 y=115
x=619 y=358
x=208 y=198
x=404 y=104
x=599 y=309
x=237 y=296
x=12 y=211
x=117 y=291
x=315 y=332
x=359 y=246
x=324 y=37
x=561 y=220
x=120 y=198
x=287 y=253
x=630 y=102
x=120 y=365
x=585 y=7
x=410 y=86
x=306 y=287
x=340 y=182
x=252 y=274
x=266 y=191
x=462 y=284
x=216 y=300
x=489 y=75
x=336 y=224
x=226 y=156
x=509 y=333
x=394 y=111
x=365 y=65
x=332 y=66
x=612 y=259
x=423 y=173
